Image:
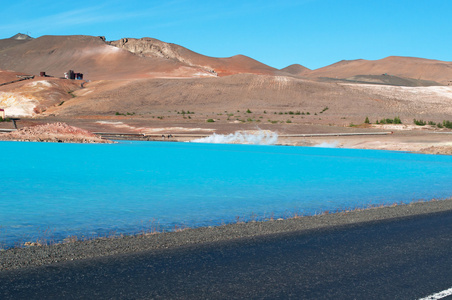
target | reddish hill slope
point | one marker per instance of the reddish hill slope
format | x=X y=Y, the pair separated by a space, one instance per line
x=86 y=54
x=123 y=59
x=149 y=47
x=18 y=39
x=297 y=70
x=408 y=67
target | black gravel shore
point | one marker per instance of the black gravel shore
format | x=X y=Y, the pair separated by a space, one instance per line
x=43 y=255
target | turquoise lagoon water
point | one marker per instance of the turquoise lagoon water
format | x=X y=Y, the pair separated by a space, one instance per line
x=56 y=190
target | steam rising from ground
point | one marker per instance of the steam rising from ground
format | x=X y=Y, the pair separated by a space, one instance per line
x=333 y=144
x=260 y=137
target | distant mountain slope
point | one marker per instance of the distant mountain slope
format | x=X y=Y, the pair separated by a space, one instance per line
x=123 y=59
x=15 y=40
x=296 y=69
x=408 y=67
x=383 y=80
x=21 y=36
x=149 y=47
x=86 y=54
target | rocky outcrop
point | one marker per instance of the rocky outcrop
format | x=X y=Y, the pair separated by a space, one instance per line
x=149 y=47
x=53 y=132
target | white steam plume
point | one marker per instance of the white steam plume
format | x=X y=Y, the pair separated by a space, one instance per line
x=261 y=137
x=333 y=144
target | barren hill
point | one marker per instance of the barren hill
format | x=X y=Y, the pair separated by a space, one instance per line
x=148 y=47
x=147 y=80
x=86 y=54
x=123 y=59
x=407 y=67
x=296 y=69
x=15 y=40
x=277 y=95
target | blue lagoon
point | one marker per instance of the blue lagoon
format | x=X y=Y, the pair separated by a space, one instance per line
x=61 y=190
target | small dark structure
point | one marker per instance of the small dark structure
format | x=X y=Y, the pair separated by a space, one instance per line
x=72 y=75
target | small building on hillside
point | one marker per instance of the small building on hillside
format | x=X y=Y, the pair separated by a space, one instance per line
x=72 y=75
x=2 y=114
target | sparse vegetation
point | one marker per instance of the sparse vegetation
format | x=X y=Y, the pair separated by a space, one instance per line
x=366 y=121
x=419 y=122
x=5 y=120
x=72 y=94
x=288 y=121
x=124 y=114
x=444 y=124
x=210 y=120
x=183 y=112
x=324 y=110
x=396 y=120
x=447 y=124
x=61 y=103
x=248 y=111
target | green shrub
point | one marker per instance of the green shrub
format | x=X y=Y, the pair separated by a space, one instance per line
x=396 y=120
x=366 y=121
x=324 y=110
x=210 y=120
x=419 y=122
x=447 y=124
x=248 y=111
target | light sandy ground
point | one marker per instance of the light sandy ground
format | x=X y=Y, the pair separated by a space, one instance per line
x=120 y=125
x=423 y=139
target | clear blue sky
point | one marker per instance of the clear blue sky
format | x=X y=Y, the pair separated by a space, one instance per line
x=313 y=33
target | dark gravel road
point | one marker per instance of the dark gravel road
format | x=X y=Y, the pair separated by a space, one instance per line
x=400 y=258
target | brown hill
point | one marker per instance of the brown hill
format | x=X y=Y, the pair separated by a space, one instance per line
x=148 y=47
x=15 y=40
x=383 y=79
x=123 y=59
x=407 y=67
x=297 y=70
x=277 y=95
x=86 y=54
